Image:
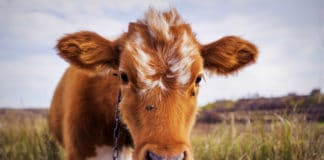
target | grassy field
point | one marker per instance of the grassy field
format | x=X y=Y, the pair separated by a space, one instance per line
x=286 y=139
x=26 y=137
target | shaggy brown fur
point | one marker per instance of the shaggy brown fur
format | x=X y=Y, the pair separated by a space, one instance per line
x=161 y=63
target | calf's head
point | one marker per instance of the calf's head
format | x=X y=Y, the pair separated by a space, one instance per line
x=160 y=64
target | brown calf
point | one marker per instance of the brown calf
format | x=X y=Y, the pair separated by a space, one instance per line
x=157 y=64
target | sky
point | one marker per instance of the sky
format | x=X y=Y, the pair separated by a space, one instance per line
x=289 y=35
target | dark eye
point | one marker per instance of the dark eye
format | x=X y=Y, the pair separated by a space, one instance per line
x=198 y=79
x=124 y=77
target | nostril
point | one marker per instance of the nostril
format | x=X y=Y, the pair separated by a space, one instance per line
x=153 y=156
x=179 y=157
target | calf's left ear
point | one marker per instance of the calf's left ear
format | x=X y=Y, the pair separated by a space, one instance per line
x=89 y=51
x=228 y=55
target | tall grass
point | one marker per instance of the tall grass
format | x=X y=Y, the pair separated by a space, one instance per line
x=26 y=138
x=286 y=138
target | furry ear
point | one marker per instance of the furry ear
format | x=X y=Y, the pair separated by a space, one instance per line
x=228 y=55
x=89 y=51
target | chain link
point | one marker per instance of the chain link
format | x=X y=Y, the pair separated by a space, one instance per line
x=117 y=126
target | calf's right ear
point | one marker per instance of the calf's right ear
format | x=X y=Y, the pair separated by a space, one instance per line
x=228 y=55
x=89 y=51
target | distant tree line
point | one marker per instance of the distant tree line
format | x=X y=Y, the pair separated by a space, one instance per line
x=309 y=107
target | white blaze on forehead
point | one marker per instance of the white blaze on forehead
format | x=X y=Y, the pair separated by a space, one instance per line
x=158 y=83
x=158 y=24
x=187 y=47
x=138 y=39
x=143 y=59
x=144 y=69
x=182 y=66
x=150 y=84
x=184 y=77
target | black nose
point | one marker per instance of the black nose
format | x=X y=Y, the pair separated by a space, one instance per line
x=153 y=156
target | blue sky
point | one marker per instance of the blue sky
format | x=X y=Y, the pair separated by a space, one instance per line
x=288 y=33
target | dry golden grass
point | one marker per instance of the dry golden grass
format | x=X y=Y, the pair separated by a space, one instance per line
x=285 y=139
x=27 y=137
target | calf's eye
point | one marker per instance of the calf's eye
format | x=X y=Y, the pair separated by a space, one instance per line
x=198 y=79
x=124 y=77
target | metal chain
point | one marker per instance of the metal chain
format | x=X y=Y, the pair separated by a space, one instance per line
x=117 y=126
